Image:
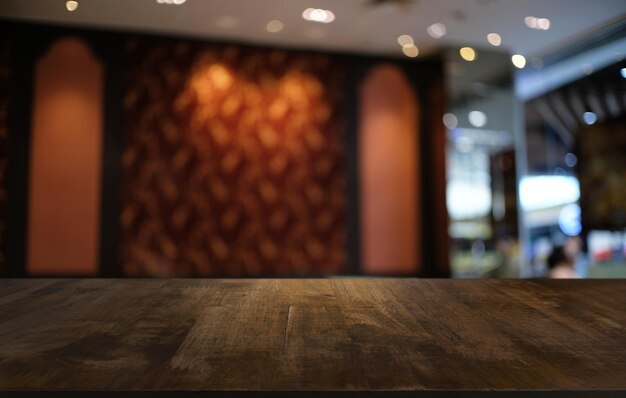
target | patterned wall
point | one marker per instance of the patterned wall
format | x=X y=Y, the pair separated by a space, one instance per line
x=6 y=47
x=602 y=174
x=233 y=161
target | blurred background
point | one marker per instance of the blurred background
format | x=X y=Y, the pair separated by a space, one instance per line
x=245 y=138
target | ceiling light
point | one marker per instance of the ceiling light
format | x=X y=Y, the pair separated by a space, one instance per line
x=623 y=72
x=519 y=61
x=405 y=40
x=450 y=121
x=531 y=22
x=477 y=118
x=590 y=118
x=436 y=30
x=274 y=26
x=543 y=23
x=177 y=2
x=468 y=53
x=71 y=5
x=318 y=15
x=494 y=39
x=570 y=159
x=537 y=23
x=410 y=50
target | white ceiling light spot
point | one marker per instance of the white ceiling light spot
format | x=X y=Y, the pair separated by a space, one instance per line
x=531 y=22
x=519 y=61
x=468 y=53
x=176 y=2
x=450 y=121
x=405 y=40
x=436 y=30
x=590 y=118
x=537 y=23
x=623 y=72
x=318 y=15
x=71 y=5
x=410 y=50
x=274 y=26
x=477 y=118
x=543 y=23
x=494 y=39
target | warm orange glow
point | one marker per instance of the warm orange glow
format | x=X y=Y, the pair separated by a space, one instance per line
x=220 y=77
x=249 y=158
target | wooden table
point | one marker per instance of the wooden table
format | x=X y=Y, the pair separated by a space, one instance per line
x=313 y=337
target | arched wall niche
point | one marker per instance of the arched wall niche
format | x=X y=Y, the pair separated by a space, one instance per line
x=389 y=173
x=65 y=161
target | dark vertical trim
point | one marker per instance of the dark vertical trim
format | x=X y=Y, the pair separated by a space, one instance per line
x=8 y=44
x=18 y=165
x=354 y=76
x=418 y=83
x=111 y=49
x=436 y=240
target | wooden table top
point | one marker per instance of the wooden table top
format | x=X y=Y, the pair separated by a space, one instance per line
x=300 y=337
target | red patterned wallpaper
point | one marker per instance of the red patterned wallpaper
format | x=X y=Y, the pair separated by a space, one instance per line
x=233 y=162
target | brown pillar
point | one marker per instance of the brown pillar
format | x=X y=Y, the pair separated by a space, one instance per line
x=389 y=174
x=65 y=163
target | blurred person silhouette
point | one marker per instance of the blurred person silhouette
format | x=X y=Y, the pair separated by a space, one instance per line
x=561 y=264
x=573 y=248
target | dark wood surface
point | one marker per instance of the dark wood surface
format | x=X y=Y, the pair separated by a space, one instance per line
x=306 y=337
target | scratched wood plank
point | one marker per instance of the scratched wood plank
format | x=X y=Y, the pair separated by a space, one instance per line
x=241 y=337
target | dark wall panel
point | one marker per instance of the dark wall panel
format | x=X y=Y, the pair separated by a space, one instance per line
x=6 y=72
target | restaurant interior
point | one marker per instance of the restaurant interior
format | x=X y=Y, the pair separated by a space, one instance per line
x=313 y=138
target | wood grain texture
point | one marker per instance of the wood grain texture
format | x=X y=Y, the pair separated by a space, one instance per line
x=302 y=337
